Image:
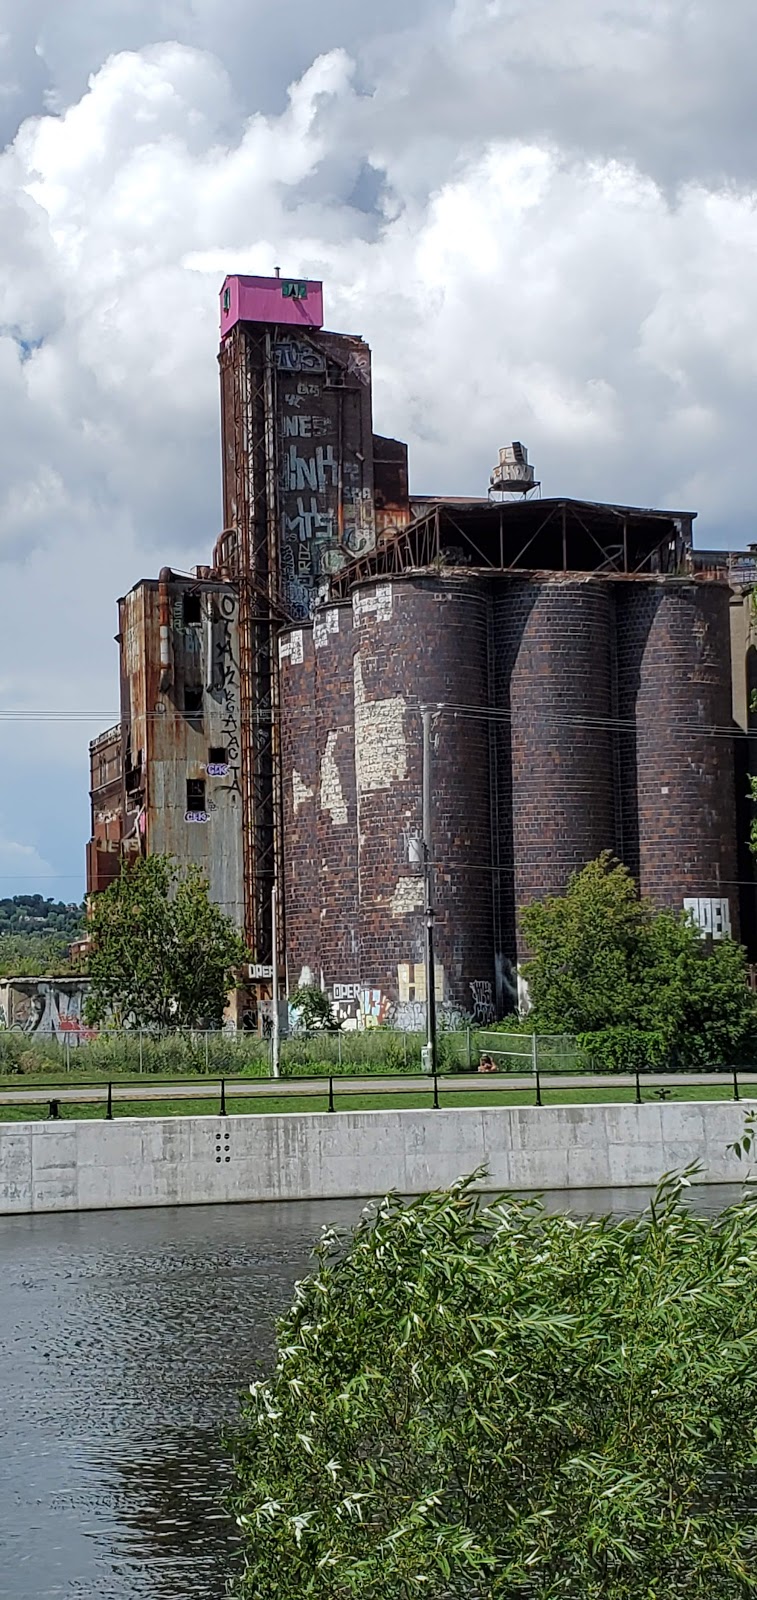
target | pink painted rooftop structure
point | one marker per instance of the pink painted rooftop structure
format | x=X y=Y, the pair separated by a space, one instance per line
x=291 y=302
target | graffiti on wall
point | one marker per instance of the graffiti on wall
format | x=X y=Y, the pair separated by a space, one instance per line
x=226 y=685
x=483 y=1009
x=45 y=1006
x=326 y=513
x=712 y=917
x=356 y=1006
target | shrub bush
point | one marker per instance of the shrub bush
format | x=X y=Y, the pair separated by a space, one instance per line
x=625 y=1049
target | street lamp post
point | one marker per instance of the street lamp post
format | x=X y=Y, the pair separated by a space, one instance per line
x=428 y=905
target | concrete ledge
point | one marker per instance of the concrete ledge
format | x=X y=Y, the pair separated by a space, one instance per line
x=168 y=1161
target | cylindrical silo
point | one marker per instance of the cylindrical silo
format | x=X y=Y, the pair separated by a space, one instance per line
x=553 y=675
x=299 y=776
x=337 y=845
x=677 y=770
x=424 y=641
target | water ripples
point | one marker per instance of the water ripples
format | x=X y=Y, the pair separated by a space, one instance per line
x=125 y=1341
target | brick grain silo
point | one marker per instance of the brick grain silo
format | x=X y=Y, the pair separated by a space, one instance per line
x=423 y=640
x=678 y=804
x=337 y=845
x=553 y=684
x=299 y=778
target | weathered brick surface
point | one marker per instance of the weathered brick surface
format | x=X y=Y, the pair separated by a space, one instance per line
x=555 y=773
x=337 y=800
x=604 y=693
x=299 y=764
x=431 y=647
x=678 y=804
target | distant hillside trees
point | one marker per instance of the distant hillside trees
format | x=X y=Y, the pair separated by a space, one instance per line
x=31 y=914
x=35 y=935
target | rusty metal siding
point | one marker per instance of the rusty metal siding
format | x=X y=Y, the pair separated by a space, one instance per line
x=164 y=747
x=391 y=485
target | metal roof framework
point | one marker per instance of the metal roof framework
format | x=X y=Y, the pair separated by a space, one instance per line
x=544 y=535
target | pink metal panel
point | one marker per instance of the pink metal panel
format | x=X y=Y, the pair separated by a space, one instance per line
x=293 y=302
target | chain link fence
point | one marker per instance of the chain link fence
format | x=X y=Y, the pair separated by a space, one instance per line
x=532 y=1052
x=133 y=1052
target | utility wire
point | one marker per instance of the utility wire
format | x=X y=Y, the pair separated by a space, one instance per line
x=482 y=713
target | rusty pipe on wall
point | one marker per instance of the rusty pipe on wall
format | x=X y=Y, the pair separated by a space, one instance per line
x=164 y=616
x=220 y=549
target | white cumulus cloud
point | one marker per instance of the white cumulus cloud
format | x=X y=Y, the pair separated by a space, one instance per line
x=544 y=230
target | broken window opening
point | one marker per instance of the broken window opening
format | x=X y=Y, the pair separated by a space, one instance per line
x=192 y=608
x=195 y=794
x=193 y=701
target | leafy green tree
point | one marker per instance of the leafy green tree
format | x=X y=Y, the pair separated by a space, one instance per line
x=476 y=1403
x=163 y=955
x=583 y=945
x=633 y=981
x=314 y=1007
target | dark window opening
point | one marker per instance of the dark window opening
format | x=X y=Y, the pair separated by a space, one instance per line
x=227 y=299
x=195 y=794
x=217 y=755
x=192 y=612
x=193 y=700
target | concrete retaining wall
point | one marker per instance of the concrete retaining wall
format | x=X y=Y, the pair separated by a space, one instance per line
x=87 y=1166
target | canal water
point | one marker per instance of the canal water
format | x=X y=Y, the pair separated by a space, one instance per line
x=125 y=1340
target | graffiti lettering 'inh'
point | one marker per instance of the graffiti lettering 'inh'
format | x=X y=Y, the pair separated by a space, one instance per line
x=325 y=494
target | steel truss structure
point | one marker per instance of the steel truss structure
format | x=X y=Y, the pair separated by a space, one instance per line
x=543 y=535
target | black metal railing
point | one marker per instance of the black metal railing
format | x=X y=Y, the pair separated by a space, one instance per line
x=438 y=1091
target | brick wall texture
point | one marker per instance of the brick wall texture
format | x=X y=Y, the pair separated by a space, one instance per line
x=578 y=716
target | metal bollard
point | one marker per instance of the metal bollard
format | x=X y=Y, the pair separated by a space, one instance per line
x=109 y=1107
x=736 y=1094
x=436 y=1093
x=538 y=1087
x=638 y=1087
x=222 y=1112
x=332 y=1107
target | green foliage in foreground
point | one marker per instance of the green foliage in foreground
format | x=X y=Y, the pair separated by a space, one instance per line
x=313 y=1005
x=471 y=1402
x=162 y=955
x=30 y=955
x=633 y=984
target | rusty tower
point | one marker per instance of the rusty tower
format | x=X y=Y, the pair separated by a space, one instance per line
x=298 y=497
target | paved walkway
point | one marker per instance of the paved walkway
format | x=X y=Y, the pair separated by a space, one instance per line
x=202 y=1088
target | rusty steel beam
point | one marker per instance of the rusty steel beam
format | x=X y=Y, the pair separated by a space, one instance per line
x=248 y=412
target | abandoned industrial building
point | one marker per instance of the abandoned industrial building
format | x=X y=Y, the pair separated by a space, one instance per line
x=585 y=672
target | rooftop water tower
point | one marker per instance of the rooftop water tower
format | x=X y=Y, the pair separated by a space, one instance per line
x=513 y=474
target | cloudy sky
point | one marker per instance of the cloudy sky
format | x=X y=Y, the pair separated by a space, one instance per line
x=541 y=213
